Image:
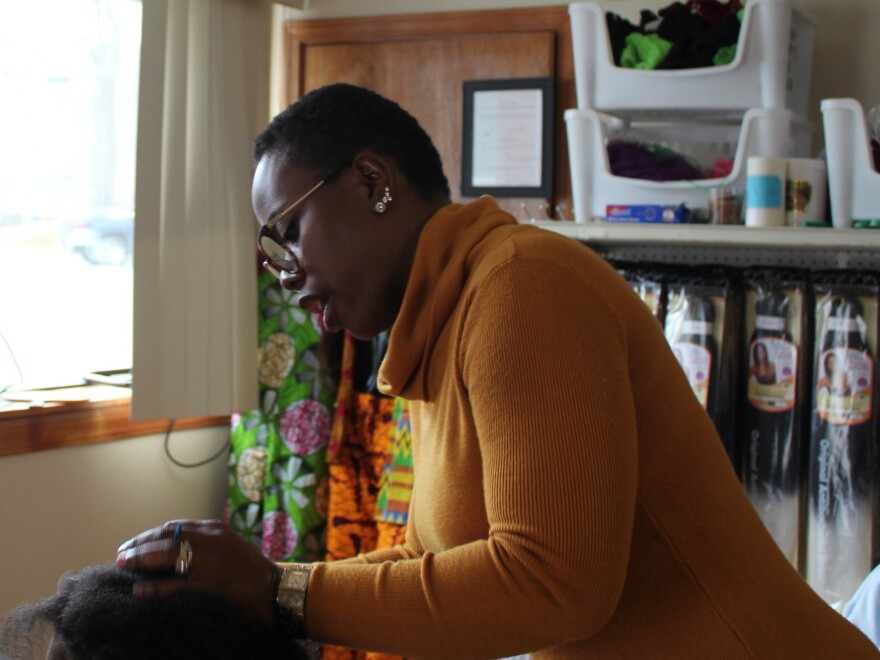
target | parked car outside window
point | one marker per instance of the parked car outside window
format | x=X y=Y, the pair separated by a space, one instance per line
x=104 y=237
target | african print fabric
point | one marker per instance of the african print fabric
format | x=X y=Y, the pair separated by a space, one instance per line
x=361 y=458
x=278 y=467
x=395 y=488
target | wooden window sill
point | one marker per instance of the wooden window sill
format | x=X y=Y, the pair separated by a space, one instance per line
x=37 y=420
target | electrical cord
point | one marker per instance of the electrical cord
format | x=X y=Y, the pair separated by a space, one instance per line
x=213 y=457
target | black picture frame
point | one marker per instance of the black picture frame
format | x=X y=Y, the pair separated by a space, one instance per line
x=505 y=115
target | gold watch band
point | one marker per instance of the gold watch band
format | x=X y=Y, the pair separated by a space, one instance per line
x=291 y=595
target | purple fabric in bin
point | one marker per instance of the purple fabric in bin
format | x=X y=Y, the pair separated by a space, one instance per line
x=639 y=161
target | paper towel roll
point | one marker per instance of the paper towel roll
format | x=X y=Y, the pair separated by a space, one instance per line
x=765 y=191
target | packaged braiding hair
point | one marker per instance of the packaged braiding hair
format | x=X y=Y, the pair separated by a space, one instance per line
x=775 y=419
x=649 y=283
x=702 y=326
x=842 y=524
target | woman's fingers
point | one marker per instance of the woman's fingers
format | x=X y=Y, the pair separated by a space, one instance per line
x=203 y=554
x=167 y=531
x=158 y=549
x=149 y=556
x=150 y=535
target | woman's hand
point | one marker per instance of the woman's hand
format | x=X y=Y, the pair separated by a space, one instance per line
x=222 y=562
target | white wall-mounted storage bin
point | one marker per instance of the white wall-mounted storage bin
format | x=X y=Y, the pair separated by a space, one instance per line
x=771 y=68
x=853 y=182
x=762 y=132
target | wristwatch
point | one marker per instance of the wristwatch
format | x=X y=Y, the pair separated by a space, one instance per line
x=290 y=598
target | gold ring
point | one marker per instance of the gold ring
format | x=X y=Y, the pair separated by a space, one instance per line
x=184 y=559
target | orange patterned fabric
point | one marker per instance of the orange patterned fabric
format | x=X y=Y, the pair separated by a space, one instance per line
x=364 y=424
x=354 y=479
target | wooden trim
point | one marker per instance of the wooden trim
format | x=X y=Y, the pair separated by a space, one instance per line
x=405 y=26
x=76 y=424
x=298 y=35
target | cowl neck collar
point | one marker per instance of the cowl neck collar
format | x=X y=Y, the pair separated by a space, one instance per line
x=440 y=271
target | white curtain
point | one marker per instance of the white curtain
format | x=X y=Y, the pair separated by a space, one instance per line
x=204 y=96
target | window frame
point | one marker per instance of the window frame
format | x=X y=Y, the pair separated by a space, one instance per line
x=25 y=428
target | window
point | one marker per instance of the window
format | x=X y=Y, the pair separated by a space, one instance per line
x=69 y=82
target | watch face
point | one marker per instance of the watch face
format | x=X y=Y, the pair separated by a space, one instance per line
x=291 y=597
x=295 y=578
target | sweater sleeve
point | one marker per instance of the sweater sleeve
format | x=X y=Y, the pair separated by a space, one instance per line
x=543 y=368
x=394 y=553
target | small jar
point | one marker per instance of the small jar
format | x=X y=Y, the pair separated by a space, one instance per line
x=725 y=207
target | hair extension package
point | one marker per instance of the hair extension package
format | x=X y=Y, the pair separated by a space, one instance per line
x=649 y=283
x=702 y=326
x=776 y=363
x=842 y=490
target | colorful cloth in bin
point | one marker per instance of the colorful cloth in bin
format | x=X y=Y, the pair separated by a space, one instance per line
x=644 y=51
x=700 y=33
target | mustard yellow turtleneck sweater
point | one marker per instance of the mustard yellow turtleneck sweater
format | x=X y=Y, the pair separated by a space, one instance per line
x=571 y=496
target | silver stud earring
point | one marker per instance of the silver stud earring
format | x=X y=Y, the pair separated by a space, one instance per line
x=382 y=205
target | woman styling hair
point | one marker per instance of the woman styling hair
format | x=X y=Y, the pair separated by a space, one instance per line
x=572 y=498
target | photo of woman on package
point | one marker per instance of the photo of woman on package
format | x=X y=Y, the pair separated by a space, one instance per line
x=835 y=380
x=762 y=368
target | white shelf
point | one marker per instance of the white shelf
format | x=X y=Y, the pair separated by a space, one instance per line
x=733 y=245
x=783 y=237
x=771 y=68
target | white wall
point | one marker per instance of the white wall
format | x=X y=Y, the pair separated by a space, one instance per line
x=67 y=508
x=845 y=54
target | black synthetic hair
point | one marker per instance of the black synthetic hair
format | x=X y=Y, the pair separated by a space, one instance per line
x=326 y=128
x=95 y=615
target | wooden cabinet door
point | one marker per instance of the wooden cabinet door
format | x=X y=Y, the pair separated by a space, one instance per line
x=421 y=60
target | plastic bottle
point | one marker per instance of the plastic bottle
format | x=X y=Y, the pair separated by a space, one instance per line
x=765 y=191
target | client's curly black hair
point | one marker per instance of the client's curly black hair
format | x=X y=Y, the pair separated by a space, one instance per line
x=95 y=616
x=327 y=127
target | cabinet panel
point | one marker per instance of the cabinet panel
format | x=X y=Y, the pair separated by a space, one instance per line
x=421 y=60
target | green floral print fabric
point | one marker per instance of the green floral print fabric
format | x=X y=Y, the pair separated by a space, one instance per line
x=278 y=468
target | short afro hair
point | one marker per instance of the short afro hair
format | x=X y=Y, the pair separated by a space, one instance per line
x=328 y=127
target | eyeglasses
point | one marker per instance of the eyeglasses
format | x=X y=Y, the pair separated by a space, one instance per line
x=277 y=256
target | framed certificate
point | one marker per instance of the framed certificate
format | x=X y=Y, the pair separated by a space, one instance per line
x=508 y=138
